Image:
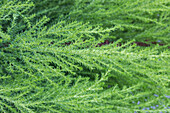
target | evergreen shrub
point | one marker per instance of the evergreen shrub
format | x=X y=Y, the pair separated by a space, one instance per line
x=64 y=56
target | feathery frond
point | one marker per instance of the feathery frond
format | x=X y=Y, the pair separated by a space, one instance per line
x=56 y=64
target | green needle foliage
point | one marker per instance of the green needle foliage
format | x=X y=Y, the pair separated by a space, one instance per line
x=139 y=19
x=50 y=63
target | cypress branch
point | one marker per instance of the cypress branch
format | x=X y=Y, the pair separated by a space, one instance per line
x=51 y=64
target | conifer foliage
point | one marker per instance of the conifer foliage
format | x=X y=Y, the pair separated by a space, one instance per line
x=51 y=59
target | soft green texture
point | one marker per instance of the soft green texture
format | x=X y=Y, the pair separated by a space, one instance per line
x=39 y=74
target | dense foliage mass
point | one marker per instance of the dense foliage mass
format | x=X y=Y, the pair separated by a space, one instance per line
x=65 y=56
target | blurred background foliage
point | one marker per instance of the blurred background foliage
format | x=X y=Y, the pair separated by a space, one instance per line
x=139 y=19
